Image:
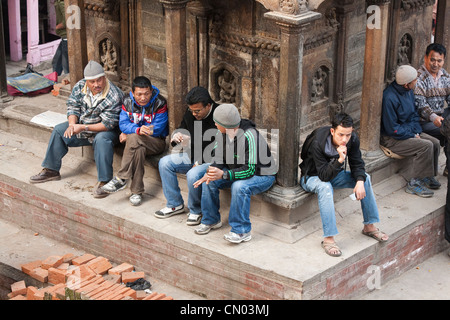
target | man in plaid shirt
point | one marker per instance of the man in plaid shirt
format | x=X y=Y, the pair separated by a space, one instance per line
x=432 y=91
x=93 y=111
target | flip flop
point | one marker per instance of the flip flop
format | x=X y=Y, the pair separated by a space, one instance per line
x=328 y=246
x=376 y=234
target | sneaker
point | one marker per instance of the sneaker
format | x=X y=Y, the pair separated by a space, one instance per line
x=136 y=199
x=205 y=228
x=194 y=219
x=115 y=184
x=431 y=183
x=168 y=212
x=98 y=192
x=419 y=189
x=45 y=175
x=237 y=237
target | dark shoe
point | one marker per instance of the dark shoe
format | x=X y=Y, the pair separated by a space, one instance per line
x=168 y=212
x=194 y=219
x=419 y=189
x=45 y=175
x=445 y=173
x=98 y=191
x=431 y=183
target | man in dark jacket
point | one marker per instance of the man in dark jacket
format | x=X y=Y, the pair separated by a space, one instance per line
x=189 y=140
x=402 y=133
x=241 y=161
x=144 y=125
x=323 y=170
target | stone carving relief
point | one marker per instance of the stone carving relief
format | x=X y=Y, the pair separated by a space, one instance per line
x=108 y=55
x=106 y=9
x=416 y=4
x=319 y=87
x=227 y=85
x=285 y=6
x=404 y=54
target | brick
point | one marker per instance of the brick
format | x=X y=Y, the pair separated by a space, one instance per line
x=119 y=294
x=124 y=267
x=83 y=259
x=19 y=297
x=106 y=292
x=64 y=266
x=102 y=287
x=40 y=274
x=159 y=296
x=99 y=265
x=31 y=292
x=30 y=266
x=130 y=293
x=56 y=276
x=132 y=276
x=140 y=294
x=113 y=277
x=52 y=262
x=67 y=258
x=18 y=288
x=167 y=298
x=151 y=295
x=93 y=283
x=81 y=271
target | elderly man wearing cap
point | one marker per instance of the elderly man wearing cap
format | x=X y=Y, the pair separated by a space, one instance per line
x=241 y=161
x=402 y=133
x=93 y=110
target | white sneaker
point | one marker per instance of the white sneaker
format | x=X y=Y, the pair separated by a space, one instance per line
x=205 y=228
x=136 y=199
x=237 y=237
x=168 y=212
x=194 y=219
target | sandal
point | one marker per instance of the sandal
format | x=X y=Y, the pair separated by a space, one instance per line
x=329 y=246
x=376 y=234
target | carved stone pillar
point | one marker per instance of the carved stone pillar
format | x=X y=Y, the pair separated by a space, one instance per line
x=373 y=78
x=443 y=28
x=76 y=37
x=198 y=44
x=343 y=10
x=175 y=22
x=289 y=91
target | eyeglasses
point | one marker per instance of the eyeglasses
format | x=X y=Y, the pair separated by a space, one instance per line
x=195 y=111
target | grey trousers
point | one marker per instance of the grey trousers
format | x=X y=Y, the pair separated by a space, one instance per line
x=133 y=159
x=424 y=154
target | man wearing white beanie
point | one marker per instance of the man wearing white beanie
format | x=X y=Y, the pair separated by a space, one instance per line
x=402 y=134
x=93 y=110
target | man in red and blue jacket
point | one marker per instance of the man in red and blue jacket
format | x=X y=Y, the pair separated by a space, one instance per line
x=144 y=125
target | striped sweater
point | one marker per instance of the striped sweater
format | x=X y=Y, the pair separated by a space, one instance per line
x=430 y=95
x=247 y=155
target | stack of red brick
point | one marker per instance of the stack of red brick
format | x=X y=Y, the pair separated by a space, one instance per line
x=86 y=277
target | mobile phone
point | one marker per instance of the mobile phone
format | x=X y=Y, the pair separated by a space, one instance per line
x=353 y=196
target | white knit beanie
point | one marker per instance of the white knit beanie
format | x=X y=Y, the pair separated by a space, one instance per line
x=227 y=115
x=93 y=71
x=405 y=74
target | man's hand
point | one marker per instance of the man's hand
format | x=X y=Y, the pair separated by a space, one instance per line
x=73 y=129
x=122 y=137
x=211 y=174
x=438 y=121
x=359 y=190
x=342 y=150
x=180 y=138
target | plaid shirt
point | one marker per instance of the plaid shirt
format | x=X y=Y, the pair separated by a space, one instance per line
x=430 y=95
x=105 y=109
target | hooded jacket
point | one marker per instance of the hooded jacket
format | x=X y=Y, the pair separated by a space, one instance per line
x=245 y=156
x=322 y=157
x=399 y=119
x=133 y=115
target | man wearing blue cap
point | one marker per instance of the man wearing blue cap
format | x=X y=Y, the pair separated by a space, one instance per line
x=93 y=110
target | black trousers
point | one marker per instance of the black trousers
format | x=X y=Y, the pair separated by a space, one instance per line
x=61 y=58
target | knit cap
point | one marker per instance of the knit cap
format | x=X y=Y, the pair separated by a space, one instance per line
x=227 y=115
x=405 y=74
x=93 y=71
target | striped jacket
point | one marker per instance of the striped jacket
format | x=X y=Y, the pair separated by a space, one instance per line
x=430 y=96
x=105 y=109
x=247 y=155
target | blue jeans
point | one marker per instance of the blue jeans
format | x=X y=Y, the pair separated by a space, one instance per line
x=241 y=192
x=324 y=191
x=103 y=145
x=172 y=164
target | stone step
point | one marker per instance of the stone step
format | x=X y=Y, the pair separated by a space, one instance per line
x=263 y=268
x=287 y=214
